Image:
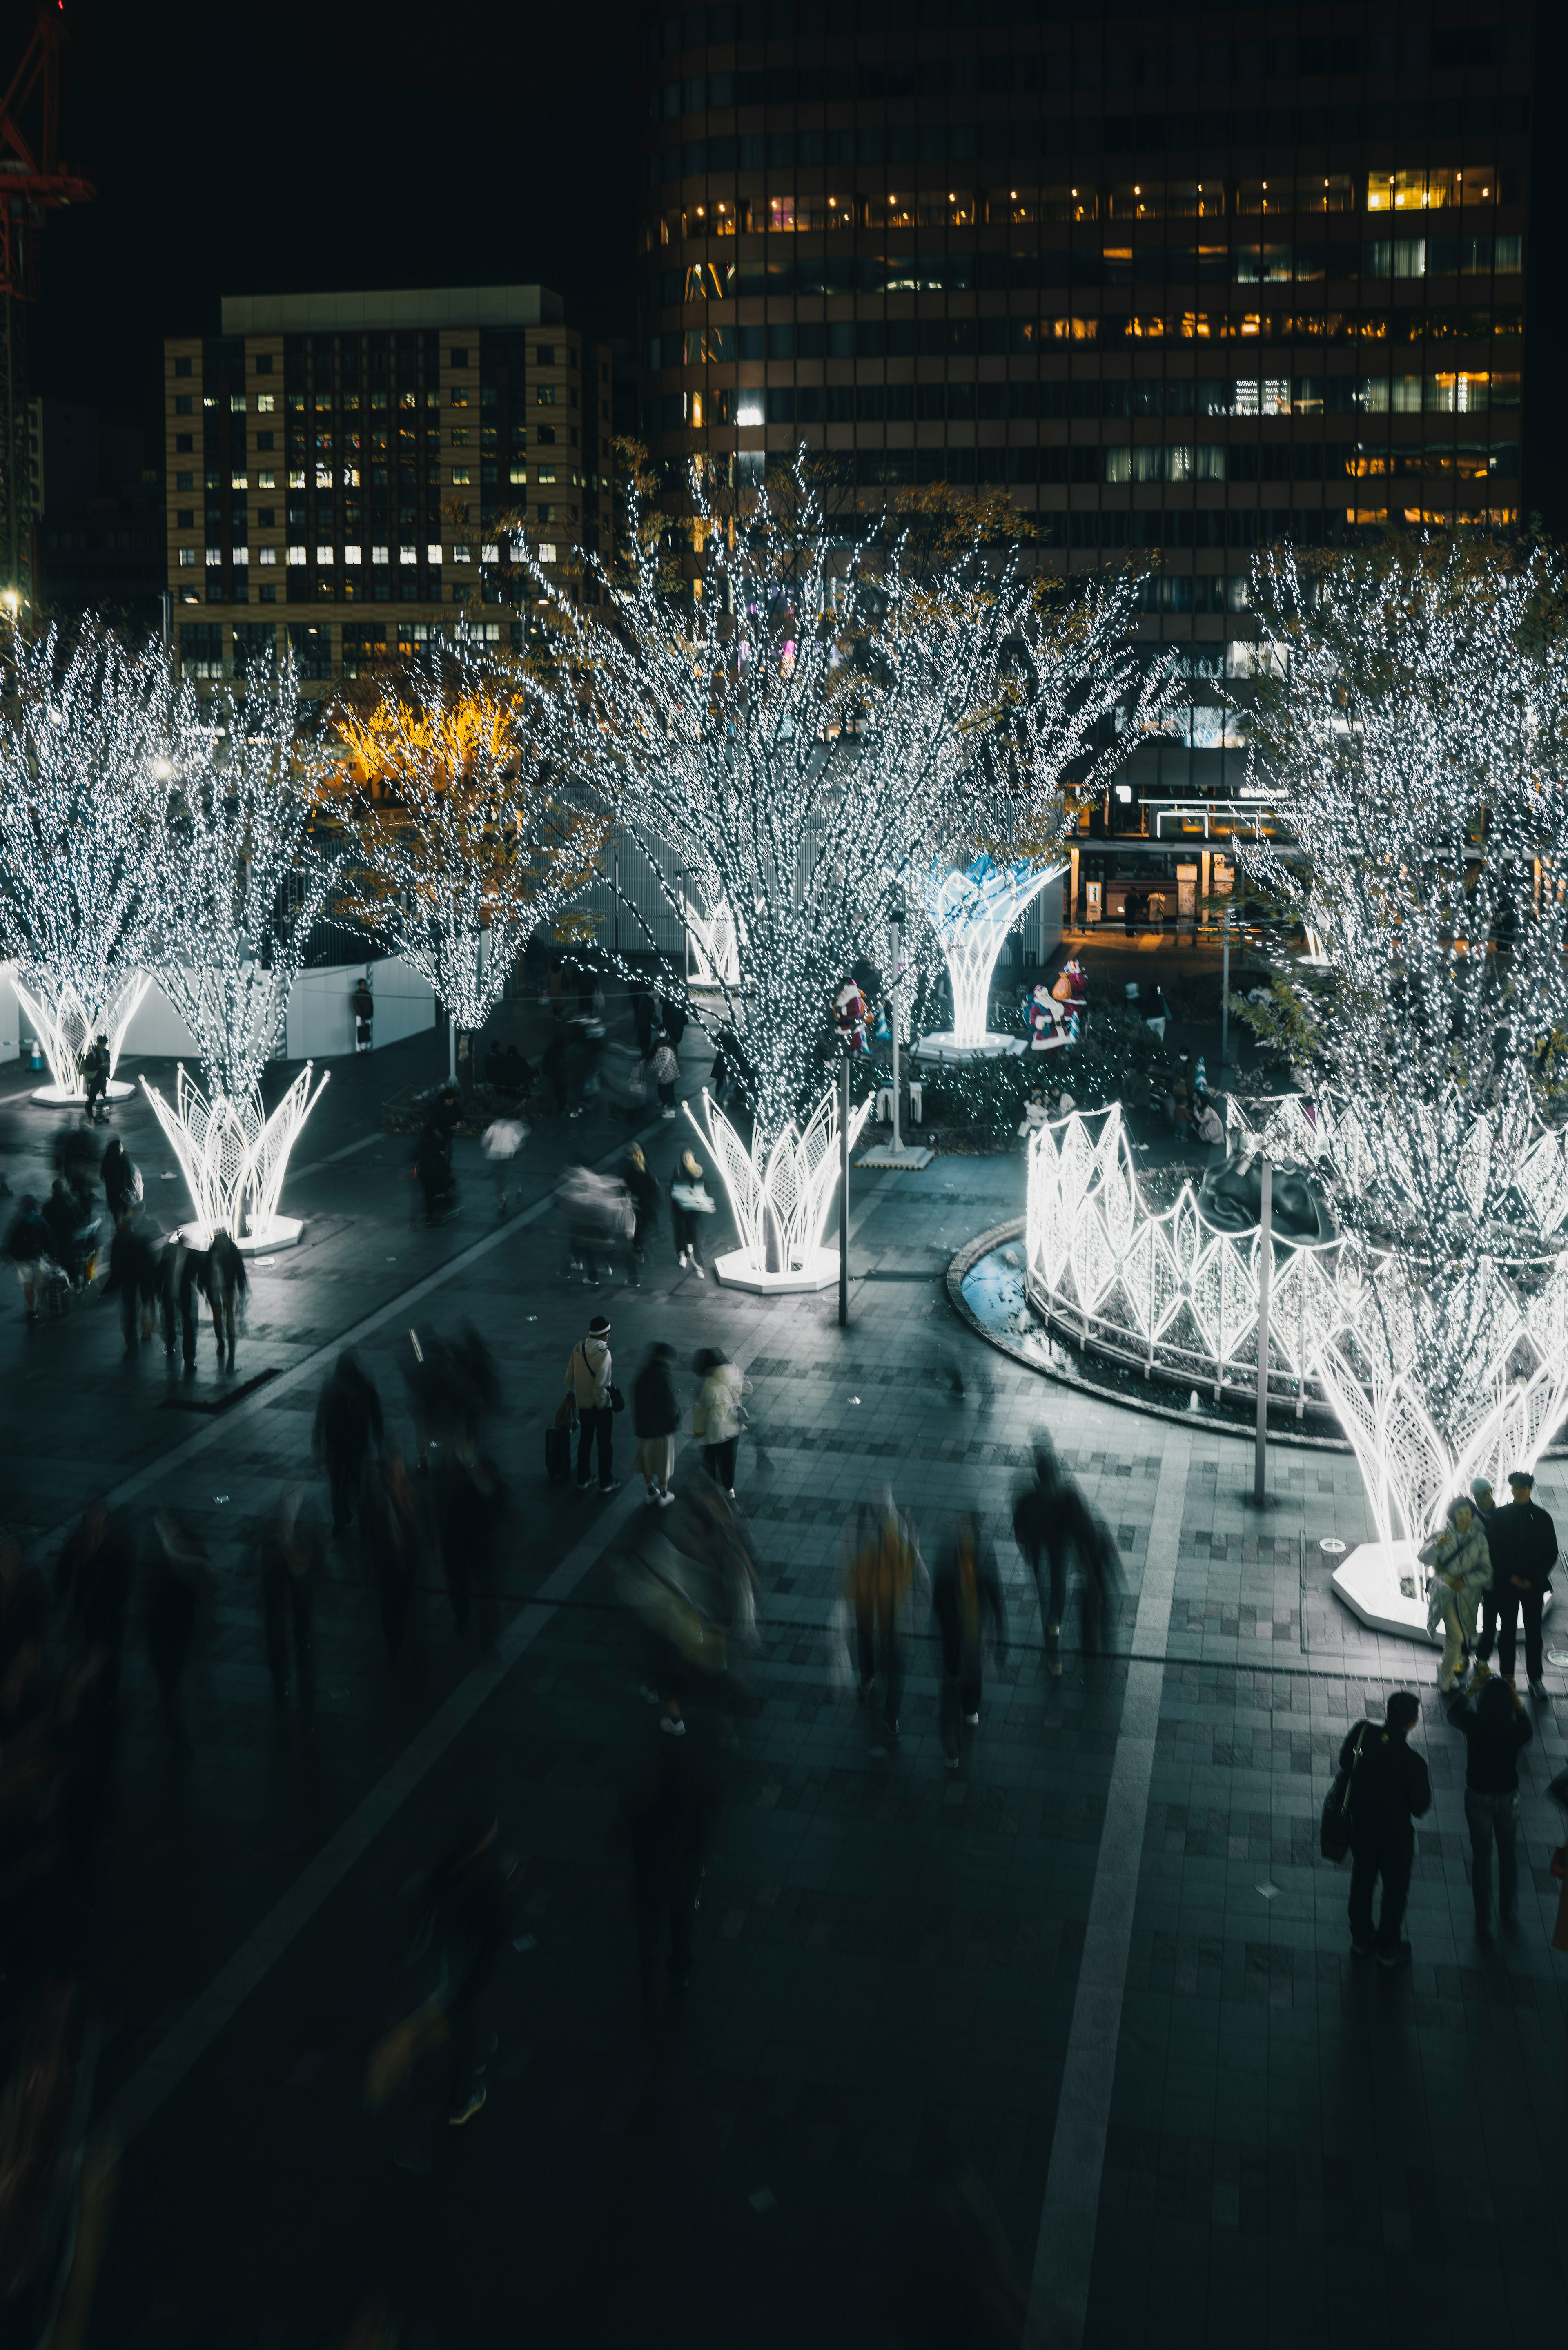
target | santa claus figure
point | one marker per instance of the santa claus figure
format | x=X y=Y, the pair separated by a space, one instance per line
x=849 y=1018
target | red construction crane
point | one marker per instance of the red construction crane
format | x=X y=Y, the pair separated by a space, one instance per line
x=33 y=183
x=33 y=179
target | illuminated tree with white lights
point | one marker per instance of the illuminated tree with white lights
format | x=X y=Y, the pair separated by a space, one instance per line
x=466 y=840
x=81 y=731
x=1410 y=724
x=805 y=731
x=243 y=879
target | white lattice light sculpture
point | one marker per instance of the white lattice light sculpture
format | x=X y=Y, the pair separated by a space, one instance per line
x=716 y=947
x=780 y=1203
x=1171 y=1294
x=67 y=1026
x=234 y=1155
x=972 y=912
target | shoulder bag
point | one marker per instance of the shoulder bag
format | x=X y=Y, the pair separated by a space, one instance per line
x=1335 y=1827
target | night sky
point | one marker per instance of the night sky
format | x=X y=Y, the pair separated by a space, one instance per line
x=255 y=146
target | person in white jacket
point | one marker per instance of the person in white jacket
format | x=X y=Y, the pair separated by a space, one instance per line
x=719 y=1415
x=1460 y=1561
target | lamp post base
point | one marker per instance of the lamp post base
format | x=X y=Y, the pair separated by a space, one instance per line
x=820 y=1270
x=63 y=1097
x=944 y=1046
x=1382 y=1585
x=884 y=1154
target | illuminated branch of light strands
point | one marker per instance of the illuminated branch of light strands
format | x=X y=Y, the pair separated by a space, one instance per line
x=243 y=883
x=1410 y=724
x=80 y=733
x=818 y=724
x=467 y=842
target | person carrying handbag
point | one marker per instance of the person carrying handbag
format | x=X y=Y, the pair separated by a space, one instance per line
x=719 y=1415
x=1390 y=1790
x=688 y=1202
x=587 y=1381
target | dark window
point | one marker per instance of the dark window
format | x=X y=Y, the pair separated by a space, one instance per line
x=184 y=481
x=182 y=403
x=459 y=357
x=183 y=444
x=264 y=363
x=182 y=367
x=185 y=518
x=266 y=517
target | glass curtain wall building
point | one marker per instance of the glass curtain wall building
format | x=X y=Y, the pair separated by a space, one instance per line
x=1183 y=281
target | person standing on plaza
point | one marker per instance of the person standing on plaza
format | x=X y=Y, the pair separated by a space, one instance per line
x=884 y=1567
x=1496 y=1730
x=1486 y=1511
x=347 y=1431
x=719 y=1415
x=502 y=1140
x=1390 y=1790
x=1052 y=1523
x=27 y=1246
x=666 y=1071
x=224 y=1282
x=588 y=1382
x=1460 y=1560
x=689 y=1203
x=1523 y=1545
x=965 y=1591
x=121 y=1180
x=133 y=1273
x=655 y=1419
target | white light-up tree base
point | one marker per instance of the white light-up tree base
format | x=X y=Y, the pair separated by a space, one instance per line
x=233 y=1157
x=779 y=1204
x=971 y=913
x=1384 y=1584
x=66 y=1033
x=715 y=948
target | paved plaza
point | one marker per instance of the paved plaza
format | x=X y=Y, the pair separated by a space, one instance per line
x=1102 y=1962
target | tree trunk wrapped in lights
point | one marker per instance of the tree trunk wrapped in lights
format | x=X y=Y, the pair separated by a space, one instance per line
x=81 y=734
x=806 y=730
x=244 y=881
x=468 y=840
x=1410 y=724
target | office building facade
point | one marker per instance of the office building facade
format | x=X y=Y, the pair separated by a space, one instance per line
x=1182 y=283
x=346 y=472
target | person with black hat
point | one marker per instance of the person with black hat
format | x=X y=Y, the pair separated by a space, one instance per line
x=1522 y=1539
x=589 y=1380
x=1390 y=1790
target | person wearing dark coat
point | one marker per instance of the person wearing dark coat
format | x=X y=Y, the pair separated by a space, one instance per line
x=1052 y=1523
x=120 y=1180
x=1522 y=1539
x=180 y=1283
x=656 y=1421
x=1390 y=1789
x=222 y=1275
x=965 y=1594
x=63 y=1217
x=1496 y=1732
x=433 y=1166
x=288 y=1563
x=642 y=1185
x=348 y=1429
x=671 y=1817
x=28 y=1246
x=176 y=1568
x=133 y=1278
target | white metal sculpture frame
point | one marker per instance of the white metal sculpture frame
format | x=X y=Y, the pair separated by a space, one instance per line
x=715 y=945
x=67 y=1022
x=1171 y=1294
x=972 y=912
x=234 y=1155
x=780 y=1205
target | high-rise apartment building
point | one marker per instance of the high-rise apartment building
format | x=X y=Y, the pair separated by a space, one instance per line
x=1184 y=280
x=344 y=467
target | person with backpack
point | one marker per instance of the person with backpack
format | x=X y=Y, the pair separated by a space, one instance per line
x=1390 y=1790
x=1496 y=1730
x=587 y=1381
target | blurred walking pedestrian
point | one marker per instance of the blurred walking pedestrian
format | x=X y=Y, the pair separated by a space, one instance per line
x=1390 y=1789
x=655 y=1419
x=966 y=1592
x=223 y=1280
x=133 y=1278
x=1053 y=1524
x=176 y=1570
x=1481 y=1494
x=642 y=1187
x=503 y=1139
x=1496 y=1730
x=179 y=1283
x=883 y=1569
x=288 y=1564
x=27 y=1246
x=122 y=1179
x=689 y=1203
x=719 y=1415
x=669 y=1816
x=347 y=1432
x=588 y=1382
x=393 y=1539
